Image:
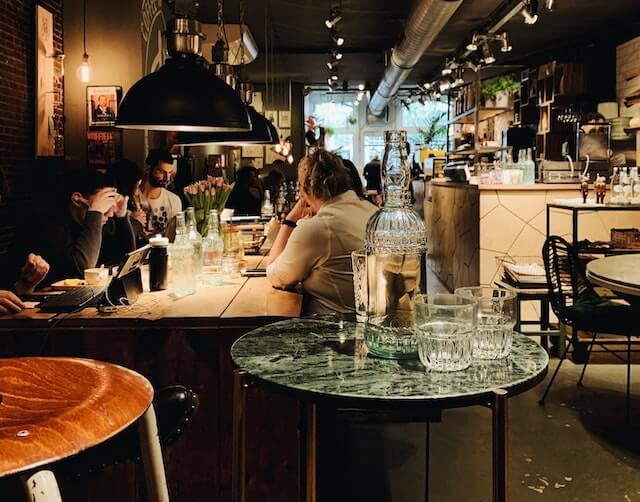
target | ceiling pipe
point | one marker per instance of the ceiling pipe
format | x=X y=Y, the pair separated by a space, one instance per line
x=423 y=25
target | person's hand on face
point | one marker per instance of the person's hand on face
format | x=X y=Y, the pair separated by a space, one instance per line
x=104 y=201
x=299 y=211
x=32 y=273
x=121 y=206
x=140 y=216
x=10 y=303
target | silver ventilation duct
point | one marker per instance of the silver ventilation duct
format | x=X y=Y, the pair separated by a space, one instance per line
x=425 y=23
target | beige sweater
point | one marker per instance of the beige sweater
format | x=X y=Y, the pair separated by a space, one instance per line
x=318 y=254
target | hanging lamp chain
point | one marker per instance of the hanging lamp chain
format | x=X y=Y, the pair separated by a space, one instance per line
x=220 y=19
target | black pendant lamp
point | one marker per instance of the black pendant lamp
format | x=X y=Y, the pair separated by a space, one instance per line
x=183 y=95
x=262 y=132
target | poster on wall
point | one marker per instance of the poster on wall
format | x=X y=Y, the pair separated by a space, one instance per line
x=104 y=148
x=102 y=105
x=45 y=126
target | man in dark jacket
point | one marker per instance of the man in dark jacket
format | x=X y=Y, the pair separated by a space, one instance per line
x=77 y=236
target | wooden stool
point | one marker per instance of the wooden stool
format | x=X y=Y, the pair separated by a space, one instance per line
x=53 y=408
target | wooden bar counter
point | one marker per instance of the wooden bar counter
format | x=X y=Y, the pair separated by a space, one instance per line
x=183 y=341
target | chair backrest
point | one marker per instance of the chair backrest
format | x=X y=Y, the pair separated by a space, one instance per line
x=566 y=276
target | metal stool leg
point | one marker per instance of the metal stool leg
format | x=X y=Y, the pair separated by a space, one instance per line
x=152 y=457
x=628 y=401
x=41 y=486
x=586 y=361
x=555 y=373
x=499 y=411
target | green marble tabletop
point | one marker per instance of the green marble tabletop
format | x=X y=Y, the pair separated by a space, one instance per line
x=328 y=358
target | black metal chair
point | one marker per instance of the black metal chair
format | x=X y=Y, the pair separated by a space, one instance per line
x=175 y=406
x=576 y=304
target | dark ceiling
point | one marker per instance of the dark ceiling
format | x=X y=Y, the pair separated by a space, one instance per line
x=298 y=41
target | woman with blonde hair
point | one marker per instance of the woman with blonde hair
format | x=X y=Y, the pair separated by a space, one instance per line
x=316 y=251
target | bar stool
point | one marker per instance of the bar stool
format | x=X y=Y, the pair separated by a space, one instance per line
x=53 y=408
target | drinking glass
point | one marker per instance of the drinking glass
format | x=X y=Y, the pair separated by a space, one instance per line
x=359 y=267
x=496 y=319
x=445 y=326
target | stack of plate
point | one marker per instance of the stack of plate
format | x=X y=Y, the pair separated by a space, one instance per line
x=618 y=125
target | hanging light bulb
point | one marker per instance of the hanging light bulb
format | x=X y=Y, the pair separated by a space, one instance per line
x=84 y=71
x=488 y=56
x=85 y=68
x=290 y=159
x=530 y=12
x=361 y=87
x=278 y=148
x=504 y=40
x=473 y=45
x=445 y=85
x=333 y=19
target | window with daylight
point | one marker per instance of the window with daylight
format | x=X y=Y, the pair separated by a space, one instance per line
x=425 y=123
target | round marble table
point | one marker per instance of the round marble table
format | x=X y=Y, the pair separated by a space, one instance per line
x=618 y=273
x=324 y=361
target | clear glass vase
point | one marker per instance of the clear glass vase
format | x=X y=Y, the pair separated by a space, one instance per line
x=395 y=244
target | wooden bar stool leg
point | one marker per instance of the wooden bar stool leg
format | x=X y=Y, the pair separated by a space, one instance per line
x=41 y=486
x=152 y=457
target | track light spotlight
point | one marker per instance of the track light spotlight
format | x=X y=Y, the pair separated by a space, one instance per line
x=530 y=12
x=337 y=55
x=459 y=77
x=473 y=45
x=337 y=39
x=361 y=87
x=334 y=18
x=487 y=54
x=551 y=5
x=333 y=64
x=504 y=41
x=334 y=77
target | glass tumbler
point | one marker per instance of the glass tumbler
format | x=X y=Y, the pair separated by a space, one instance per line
x=496 y=319
x=359 y=267
x=445 y=326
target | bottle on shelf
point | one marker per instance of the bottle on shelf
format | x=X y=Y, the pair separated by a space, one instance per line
x=635 y=186
x=530 y=168
x=267 y=208
x=181 y=254
x=212 y=250
x=195 y=239
x=616 y=188
x=625 y=182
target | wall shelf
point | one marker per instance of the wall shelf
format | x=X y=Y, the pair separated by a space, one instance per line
x=484 y=113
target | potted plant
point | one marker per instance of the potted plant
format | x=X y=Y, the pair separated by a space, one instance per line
x=432 y=127
x=498 y=91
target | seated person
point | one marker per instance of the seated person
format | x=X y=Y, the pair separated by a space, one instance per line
x=32 y=273
x=159 y=204
x=356 y=180
x=72 y=239
x=246 y=196
x=317 y=251
x=127 y=178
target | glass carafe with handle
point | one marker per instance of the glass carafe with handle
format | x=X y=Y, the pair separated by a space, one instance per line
x=395 y=244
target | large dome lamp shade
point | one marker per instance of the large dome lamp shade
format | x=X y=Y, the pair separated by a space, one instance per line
x=262 y=132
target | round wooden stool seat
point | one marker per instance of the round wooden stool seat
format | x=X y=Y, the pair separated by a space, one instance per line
x=53 y=408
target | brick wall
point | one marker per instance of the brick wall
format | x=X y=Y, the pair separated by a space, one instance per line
x=17 y=104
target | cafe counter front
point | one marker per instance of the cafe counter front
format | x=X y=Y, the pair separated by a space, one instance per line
x=471 y=228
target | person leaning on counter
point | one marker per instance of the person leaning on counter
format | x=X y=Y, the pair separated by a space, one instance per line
x=315 y=241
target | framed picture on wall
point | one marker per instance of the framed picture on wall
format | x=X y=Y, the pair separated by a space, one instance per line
x=104 y=147
x=284 y=119
x=253 y=151
x=102 y=105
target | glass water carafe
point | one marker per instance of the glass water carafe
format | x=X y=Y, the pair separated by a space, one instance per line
x=395 y=244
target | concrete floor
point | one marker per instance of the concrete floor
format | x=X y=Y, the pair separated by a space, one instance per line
x=574 y=448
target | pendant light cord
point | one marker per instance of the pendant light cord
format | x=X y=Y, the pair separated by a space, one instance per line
x=84 y=26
